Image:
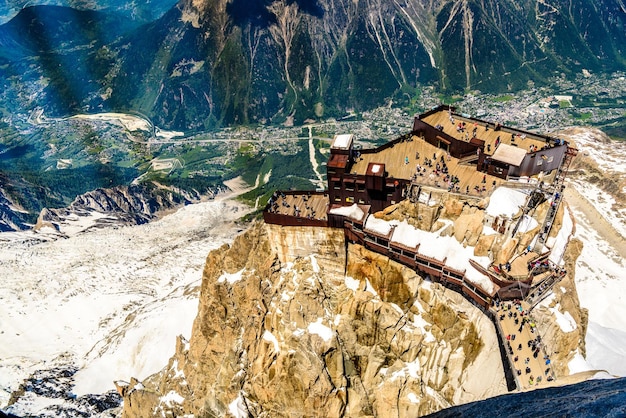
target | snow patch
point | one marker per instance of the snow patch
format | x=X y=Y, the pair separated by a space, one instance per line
x=559 y=244
x=269 y=337
x=370 y=288
x=238 y=407
x=407 y=235
x=230 y=277
x=528 y=223
x=505 y=202
x=413 y=368
x=321 y=330
x=178 y=373
x=352 y=284
x=420 y=323
x=172 y=397
x=565 y=320
x=578 y=364
x=378 y=226
x=352 y=212
x=316 y=267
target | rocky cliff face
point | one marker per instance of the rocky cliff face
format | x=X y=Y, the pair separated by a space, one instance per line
x=10 y=219
x=122 y=205
x=280 y=334
x=293 y=322
x=468 y=218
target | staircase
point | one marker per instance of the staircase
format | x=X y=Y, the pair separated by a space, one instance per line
x=541 y=290
x=556 y=187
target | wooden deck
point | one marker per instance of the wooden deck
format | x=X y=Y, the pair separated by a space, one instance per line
x=484 y=131
x=519 y=264
x=395 y=159
x=303 y=205
x=534 y=370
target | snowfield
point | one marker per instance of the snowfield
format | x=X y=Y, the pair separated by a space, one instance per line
x=601 y=267
x=109 y=302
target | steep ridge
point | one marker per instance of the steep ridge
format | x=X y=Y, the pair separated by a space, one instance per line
x=292 y=320
x=235 y=62
x=282 y=333
x=122 y=205
x=206 y=64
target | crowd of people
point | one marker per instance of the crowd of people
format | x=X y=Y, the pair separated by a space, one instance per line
x=279 y=200
x=521 y=340
x=436 y=172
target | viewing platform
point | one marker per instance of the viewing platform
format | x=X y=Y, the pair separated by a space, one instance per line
x=297 y=209
x=449 y=155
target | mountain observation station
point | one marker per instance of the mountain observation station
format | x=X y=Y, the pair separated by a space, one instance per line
x=446 y=154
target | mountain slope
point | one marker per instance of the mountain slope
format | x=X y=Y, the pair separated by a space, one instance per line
x=206 y=64
x=215 y=63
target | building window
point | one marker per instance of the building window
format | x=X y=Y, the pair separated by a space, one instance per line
x=349 y=199
x=360 y=187
x=336 y=185
x=337 y=198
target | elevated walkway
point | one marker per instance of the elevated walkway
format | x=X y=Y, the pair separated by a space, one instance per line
x=525 y=348
x=557 y=187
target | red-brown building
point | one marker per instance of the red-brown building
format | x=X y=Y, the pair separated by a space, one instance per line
x=451 y=146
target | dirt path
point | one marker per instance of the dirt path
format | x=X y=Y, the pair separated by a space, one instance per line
x=238 y=186
x=320 y=181
x=595 y=219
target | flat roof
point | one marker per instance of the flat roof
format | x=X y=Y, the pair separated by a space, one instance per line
x=302 y=204
x=509 y=154
x=375 y=169
x=338 y=161
x=342 y=141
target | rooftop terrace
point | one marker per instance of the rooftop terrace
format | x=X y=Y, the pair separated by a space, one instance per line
x=462 y=128
x=403 y=159
x=302 y=204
